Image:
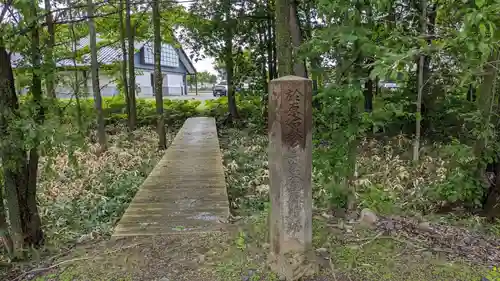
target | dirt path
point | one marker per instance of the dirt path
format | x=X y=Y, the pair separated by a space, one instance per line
x=396 y=249
x=179 y=258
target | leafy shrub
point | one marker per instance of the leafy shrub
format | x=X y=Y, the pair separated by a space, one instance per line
x=460 y=184
x=338 y=126
x=493 y=274
x=175 y=111
x=337 y=195
x=391 y=113
x=217 y=108
x=453 y=117
x=250 y=111
x=377 y=198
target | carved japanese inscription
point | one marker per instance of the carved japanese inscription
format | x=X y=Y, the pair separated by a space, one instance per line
x=290 y=164
x=293 y=119
x=293 y=194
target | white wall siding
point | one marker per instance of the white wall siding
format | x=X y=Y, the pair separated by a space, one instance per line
x=107 y=84
x=66 y=87
x=173 y=84
x=143 y=81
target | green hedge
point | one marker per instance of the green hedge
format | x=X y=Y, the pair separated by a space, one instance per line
x=175 y=111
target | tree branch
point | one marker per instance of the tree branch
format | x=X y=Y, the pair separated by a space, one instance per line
x=4 y=10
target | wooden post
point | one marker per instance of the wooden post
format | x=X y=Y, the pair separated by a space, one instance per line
x=290 y=165
x=196 y=82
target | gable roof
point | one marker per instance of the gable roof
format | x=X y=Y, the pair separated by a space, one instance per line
x=107 y=53
x=186 y=61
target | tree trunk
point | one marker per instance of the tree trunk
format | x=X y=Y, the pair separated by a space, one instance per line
x=49 y=45
x=428 y=98
x=314 y=59
x=162 y=138
x=368 y=89
x=262 y=49
x=283 y=38
x=12 y=152
x=266 y=73
x=12 y=178
x=492 y=202
x=492 y=198
x=420 y=86
x=4 y=227
x=485 y=100
x=30 y=218
x=270 y=41
x=131 y=67
x=229 y=60
x=273 y=41
x=471 y=93
x=299 y=66
x=101 y=133
x=196 y=83
x=368 y=94
x=418 y=116
x=124 y=65
x=76 y=88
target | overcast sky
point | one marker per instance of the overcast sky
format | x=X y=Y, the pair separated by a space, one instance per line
x=206 y=64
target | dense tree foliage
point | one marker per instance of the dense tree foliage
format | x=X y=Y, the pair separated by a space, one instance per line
x=201 y=78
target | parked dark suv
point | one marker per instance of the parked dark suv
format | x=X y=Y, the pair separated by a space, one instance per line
x=220 y=89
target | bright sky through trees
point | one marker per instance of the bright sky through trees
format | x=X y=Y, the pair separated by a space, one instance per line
x=205 y=64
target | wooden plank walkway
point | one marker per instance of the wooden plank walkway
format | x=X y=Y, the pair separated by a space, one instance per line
x=186 y=191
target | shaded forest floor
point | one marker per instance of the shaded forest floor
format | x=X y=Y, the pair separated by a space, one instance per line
x=350 y=252
x=403 y=244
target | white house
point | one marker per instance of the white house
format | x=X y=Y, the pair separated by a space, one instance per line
x=175 y=64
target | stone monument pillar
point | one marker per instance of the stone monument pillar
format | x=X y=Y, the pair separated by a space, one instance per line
x=290 y=165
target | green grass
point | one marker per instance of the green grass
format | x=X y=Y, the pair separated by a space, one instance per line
x=382 y=258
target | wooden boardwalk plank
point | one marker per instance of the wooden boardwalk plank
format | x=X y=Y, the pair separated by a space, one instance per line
x=186 y=191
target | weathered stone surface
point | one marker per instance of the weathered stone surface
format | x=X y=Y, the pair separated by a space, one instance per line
x=368 y=217
x=186 y=191
x=425 y=226
x=290 y=164
x=322 y=250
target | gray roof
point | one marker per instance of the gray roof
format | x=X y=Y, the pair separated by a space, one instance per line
x=108 y=53
x=186 y=61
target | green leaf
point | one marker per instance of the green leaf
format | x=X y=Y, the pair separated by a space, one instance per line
x=482 y=29
x=492 y=28
x=484 y=48
x=350 y=37
x=480 y=3
x=470 y=46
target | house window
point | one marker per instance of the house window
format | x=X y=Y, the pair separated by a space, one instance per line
x=149 y=56
x=169 y=56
